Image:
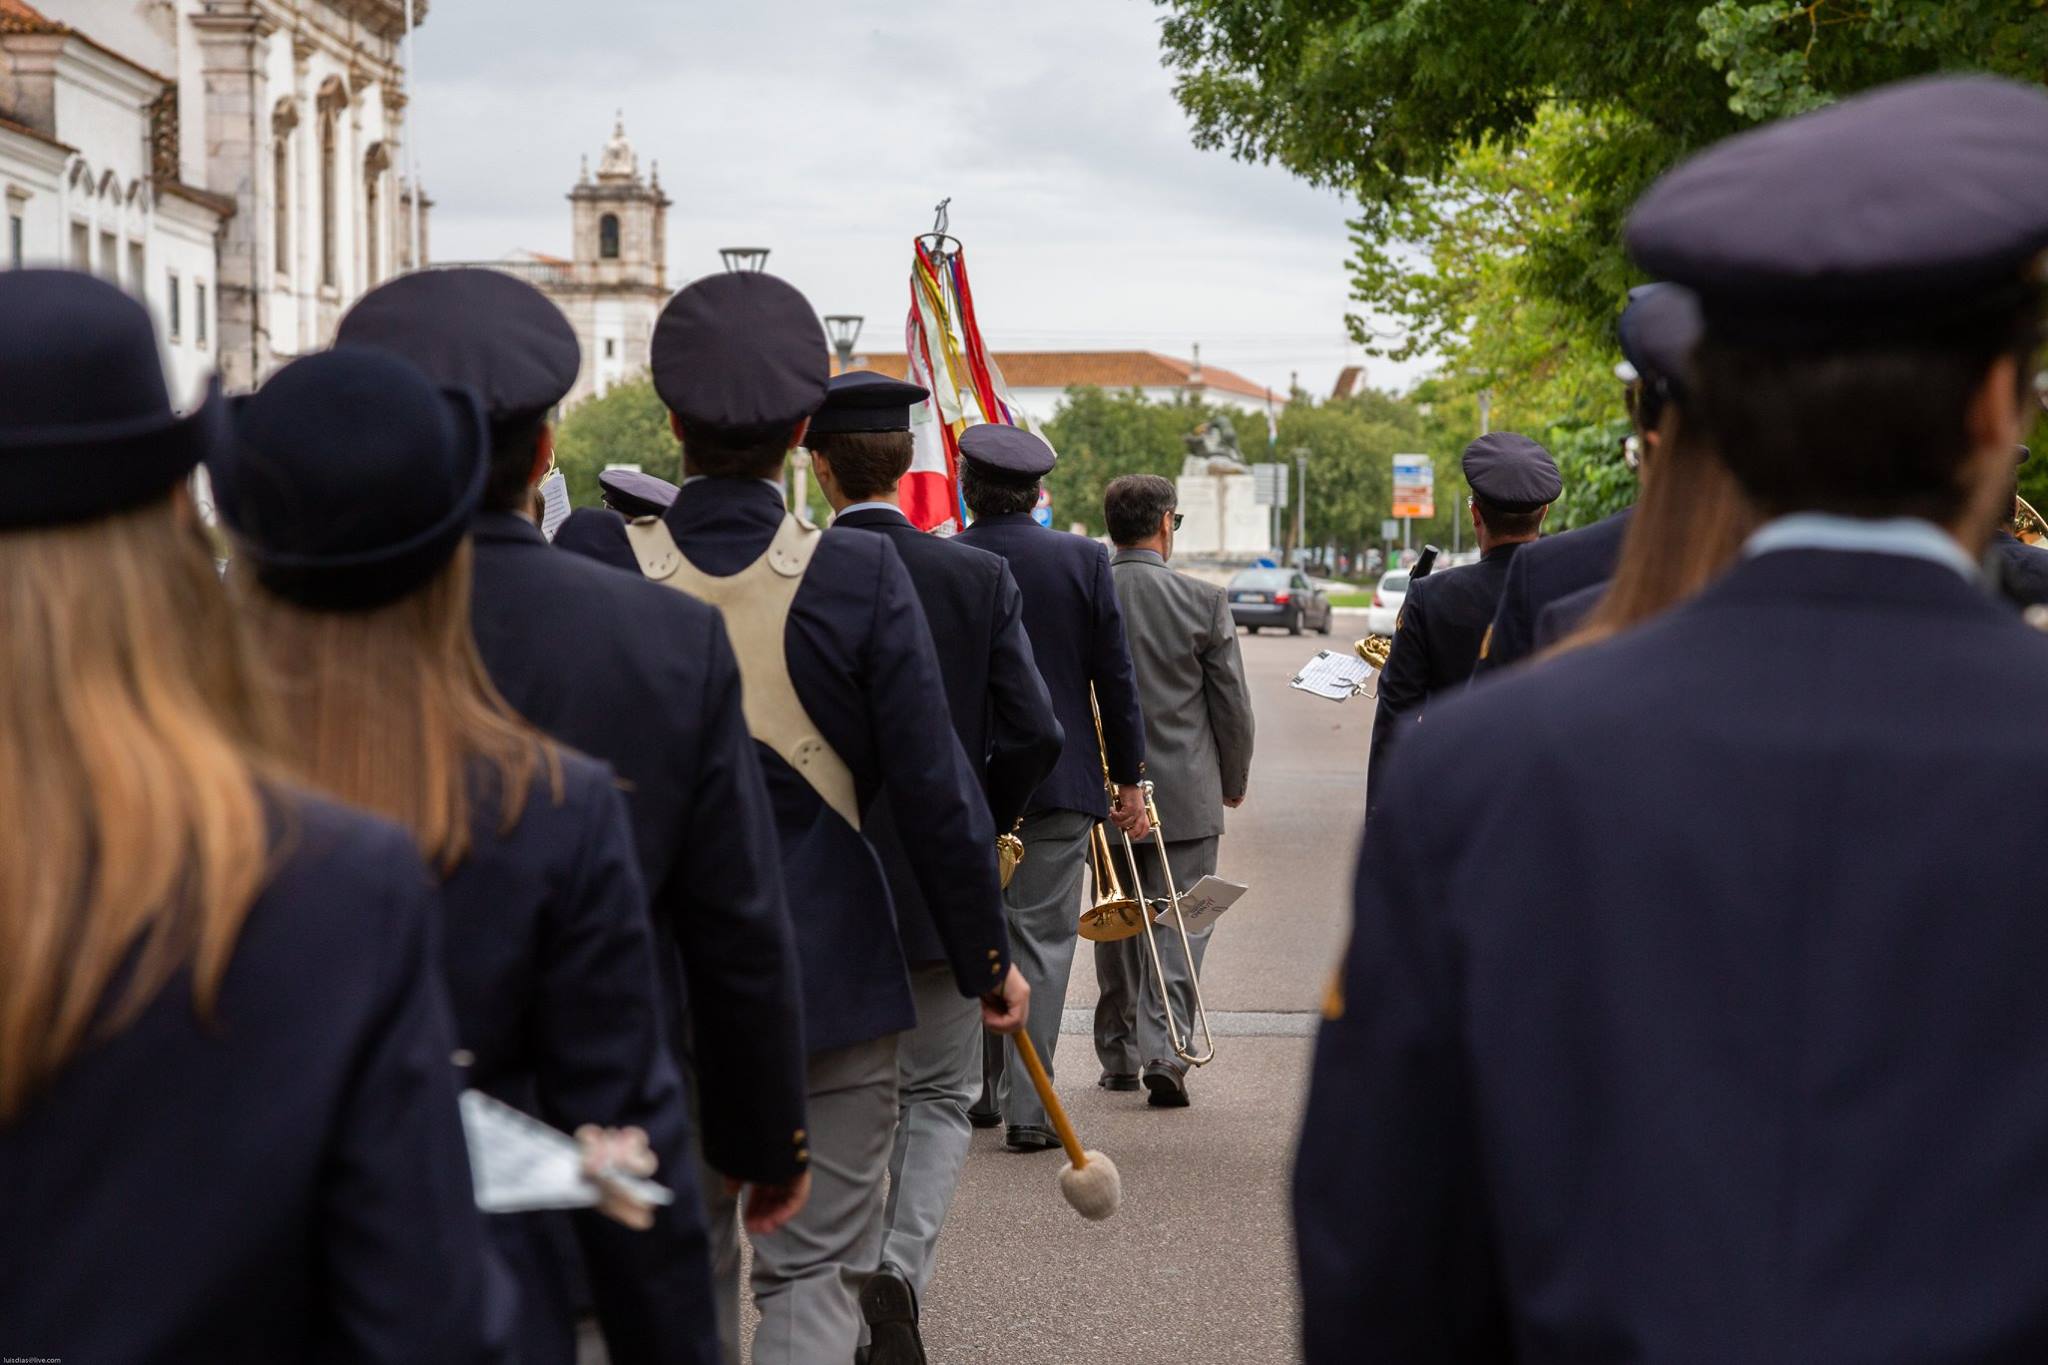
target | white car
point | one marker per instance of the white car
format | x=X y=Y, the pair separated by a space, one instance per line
x=1386 y=603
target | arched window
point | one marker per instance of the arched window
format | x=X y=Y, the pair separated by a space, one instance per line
x=330 y=190
x=608 y=237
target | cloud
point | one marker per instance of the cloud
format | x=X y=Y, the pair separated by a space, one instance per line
x=827 y=131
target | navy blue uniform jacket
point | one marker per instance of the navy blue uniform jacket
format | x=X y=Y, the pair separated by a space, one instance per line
x=2022 y=570
x=283 y=1181
x=1077 y=638
x=1542 y=573
x=550 y=968
x=862 y=662
x=643 y=678
x=596 y=532
x=1560 y=618
x=1756 y=1074
x=1437 y=637
x=1001 y=711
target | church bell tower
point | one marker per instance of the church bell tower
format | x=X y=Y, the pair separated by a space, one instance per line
x=621 y=221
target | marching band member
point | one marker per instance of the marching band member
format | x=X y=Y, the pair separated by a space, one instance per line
x=1198 y=747
x=841 y=680
x=1755 y=1077
x=860 y=450
x=644 y=680
x=350 y=488
x=1443 y=621
x=1077 y=639
x=228 y=1126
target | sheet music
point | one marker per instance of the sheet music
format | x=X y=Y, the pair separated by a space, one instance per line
x=554 y=496
x=1202 y=904
x=518 y=1164
x=1336 y=676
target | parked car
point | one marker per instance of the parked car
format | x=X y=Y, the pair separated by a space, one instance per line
x=1386 y=603
x=1278 y=597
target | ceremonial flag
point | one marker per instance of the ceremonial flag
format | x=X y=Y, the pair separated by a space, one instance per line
x=946 y=355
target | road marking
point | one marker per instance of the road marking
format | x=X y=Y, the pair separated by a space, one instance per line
x=1225 y=1023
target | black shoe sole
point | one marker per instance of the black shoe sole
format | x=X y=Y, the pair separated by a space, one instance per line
x=891 y=1312
x=1166 y=1092
x=1118 y=1080
x=1029 y=1140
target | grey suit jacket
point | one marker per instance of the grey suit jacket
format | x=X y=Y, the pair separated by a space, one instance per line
x=1198 y=711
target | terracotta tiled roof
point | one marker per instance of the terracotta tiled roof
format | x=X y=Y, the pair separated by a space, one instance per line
x=16 y=16
x=1101 y=369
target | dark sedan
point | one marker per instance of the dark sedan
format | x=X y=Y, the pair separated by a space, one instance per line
x=1278 y=597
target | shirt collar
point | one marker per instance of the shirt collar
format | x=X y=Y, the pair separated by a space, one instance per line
x=1909 y=537
x=868 y=507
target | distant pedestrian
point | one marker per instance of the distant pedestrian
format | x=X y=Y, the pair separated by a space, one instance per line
x=1198 y=748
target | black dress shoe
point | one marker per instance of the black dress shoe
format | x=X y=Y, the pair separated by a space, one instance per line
x=890 y=1306
x=1167 y=1084
x=1022 y=1137
x=1119 y=1080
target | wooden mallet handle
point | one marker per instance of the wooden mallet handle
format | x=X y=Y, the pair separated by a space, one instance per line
x=1054 y=1110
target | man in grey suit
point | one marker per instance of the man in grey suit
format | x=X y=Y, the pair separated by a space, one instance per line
x=1198 y=745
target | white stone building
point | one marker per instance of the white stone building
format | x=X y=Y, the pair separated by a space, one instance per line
x=614 y=284
x=233 y=162
x=1039 y=380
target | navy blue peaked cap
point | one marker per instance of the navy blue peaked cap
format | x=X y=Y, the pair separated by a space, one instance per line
x=636 y=494
x=351 y=479
x=741 y=352
x=86 y=426
x=1903 y=211
x=1511 y=472
x=861 y=400
x=1007 y=450
x=475 y=329
x=1658 y=330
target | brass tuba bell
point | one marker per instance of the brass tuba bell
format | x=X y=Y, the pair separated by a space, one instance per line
x=2026 y=525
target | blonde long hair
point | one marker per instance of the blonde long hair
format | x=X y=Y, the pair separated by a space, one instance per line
x=132 y=826
x=390 y=709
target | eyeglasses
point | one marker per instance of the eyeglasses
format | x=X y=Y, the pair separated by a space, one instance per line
x=1178 y=517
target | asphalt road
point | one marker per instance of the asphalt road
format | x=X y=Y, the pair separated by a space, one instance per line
x=1197 y=1265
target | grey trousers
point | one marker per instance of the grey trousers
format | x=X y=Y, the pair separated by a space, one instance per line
x=1130 y=1020
x=938 y=1066
x=1044 y=901
x=807 y=1276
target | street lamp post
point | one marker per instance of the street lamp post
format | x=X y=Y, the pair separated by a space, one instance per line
x=844 y=331
x=744 y=258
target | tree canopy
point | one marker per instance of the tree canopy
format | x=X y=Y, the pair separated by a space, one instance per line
x=1386 y=99
x=627 y=425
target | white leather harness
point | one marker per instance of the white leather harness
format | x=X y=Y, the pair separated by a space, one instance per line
x=755 y=603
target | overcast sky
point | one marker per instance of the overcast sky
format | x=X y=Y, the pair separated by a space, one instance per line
x=827 y=131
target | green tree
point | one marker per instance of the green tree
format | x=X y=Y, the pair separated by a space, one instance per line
x=1100 y=435
x=1388 y=98
x=626 y=426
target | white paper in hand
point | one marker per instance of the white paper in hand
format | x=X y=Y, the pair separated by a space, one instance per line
x=518 y=1164
x=1202 y=904
x=1334 y=676
x=554 y=499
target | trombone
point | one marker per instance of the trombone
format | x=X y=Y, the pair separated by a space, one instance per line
x=1117 y=913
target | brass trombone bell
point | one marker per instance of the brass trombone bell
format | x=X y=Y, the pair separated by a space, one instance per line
x=1116 y=913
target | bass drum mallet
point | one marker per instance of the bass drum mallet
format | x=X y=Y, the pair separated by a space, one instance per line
x=1090 y=1182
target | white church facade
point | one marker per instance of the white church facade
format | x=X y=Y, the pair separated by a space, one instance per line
x=614 y=284
x=234 y=163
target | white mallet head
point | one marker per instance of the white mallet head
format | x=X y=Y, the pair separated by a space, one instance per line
x=1095 y=1189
